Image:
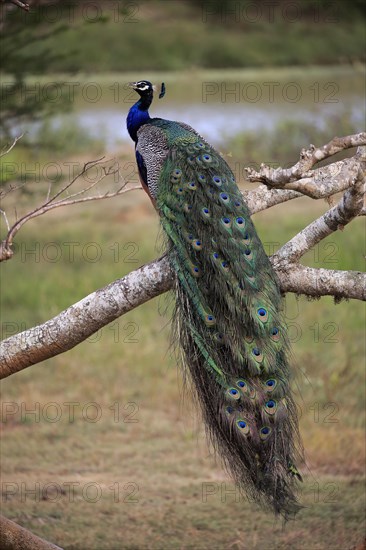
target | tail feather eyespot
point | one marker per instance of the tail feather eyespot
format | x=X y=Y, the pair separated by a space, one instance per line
x=189 y=237
x=226 y=222
x=233 y=393
x=219 y=338
x=257 y=354
x=224 y=198
x=248 y=254
x=270 y=407
x=265 y=432
x=217 y=180
x=197 y=244
x=275 y=334
x=262 y=314
x=194 y=270
x=205 y=212
x=210 y=320
x=270 y=385
x=243 y=426
x=242 y=384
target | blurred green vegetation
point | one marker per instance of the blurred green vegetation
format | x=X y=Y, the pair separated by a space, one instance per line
x=65 y=138
x=160 y=35
x=49 y=144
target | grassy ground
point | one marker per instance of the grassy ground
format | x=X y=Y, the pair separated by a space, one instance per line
x=112 y=457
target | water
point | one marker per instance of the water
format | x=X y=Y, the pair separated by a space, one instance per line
x=216 y=125
x=223 y=105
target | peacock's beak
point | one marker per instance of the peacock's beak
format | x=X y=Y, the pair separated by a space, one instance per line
x=132 y=85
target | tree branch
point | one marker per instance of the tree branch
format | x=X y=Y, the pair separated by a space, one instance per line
x=350 y=206
x=76 y=323
x=50 y=203
x=15 y=141
x=301 y=172
x=15 y=537
x=262 y=198
x=23 y=5
x=301 y=279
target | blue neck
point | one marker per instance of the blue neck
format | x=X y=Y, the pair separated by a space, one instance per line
x=138 y=115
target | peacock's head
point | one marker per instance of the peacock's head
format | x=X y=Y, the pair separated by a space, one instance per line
x=145 y=89
x=142 y=87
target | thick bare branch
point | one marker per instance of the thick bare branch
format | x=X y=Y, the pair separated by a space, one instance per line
x=262 y=198
x=335 y=145
x=314 y=282
x=81 y=320
x=15 y=537
x=326 y=181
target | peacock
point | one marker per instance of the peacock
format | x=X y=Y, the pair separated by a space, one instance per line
x=227 y=317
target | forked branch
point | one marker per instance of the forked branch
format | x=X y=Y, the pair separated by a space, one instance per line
x=316 y=184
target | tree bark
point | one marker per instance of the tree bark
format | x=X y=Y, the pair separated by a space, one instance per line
x=76 y=323
x=15 y=537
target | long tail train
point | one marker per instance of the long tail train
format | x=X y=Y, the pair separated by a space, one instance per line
x=228 y=307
